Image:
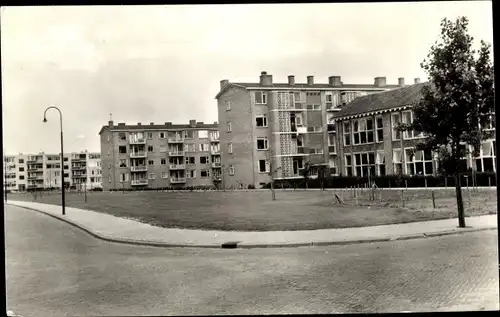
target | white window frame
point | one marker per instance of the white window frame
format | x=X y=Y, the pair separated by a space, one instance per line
x=204 y=147
x=263 y=97
x=207 y=159
x=396 y=162
x=151 y=176
x=380 y=156
x=377 y=129
x=207 y=175
x=299 y=122
x=483 y=155
x=151 y=164
x=333 y=143
x=266 y=143
x=409 y=135
x=347 y=165
x=231 y=170
x=414 y=162
x=152 y=147
x=266 y=166
x=163 y=161
x=229 y=127
x=149 y=135
x=313 y=107
x=360 y=132
x=230 y=148
x=394 y=124
x=162 y=135
x=347 y=134
x=163 y=149
x=124 y=177
x=228 y=105
x=264 y=121
x=295 y=99
x=203 y=137
x=164 y=175
x=368 y=165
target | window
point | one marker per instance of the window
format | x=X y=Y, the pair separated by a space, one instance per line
x=363 y=131
x=316 y=151
x=123 y=163
x=122 y=149
x=262 y=144
x=261 y=121
x=407 y=119
x=203 y=134
x=204 y=160
x=191 y=174
x=152 y=175
x=205 y=173
x=348 y=165
x=163 y=149
x=396 y=161
x=364 y=164
x=228 y=105
x=65 y=159
x=204 y=147
x=380 y=162
x=21 y=169
x=263 y=166
x=347 y=133
x=418 y=163
x=21 y=177
x=231 y=169
x=228 y=126
x=163 y=161
x=230 y=148
x=486 y=160
x=21 y=161
x=162 y=135
x=296 y=96
x=109 y=178
x=379 y=126
x=260 y=97
x=151 y=162
x=190 y=160
x=189 y=148
x=150 y=148
x=122 y=136
x=123 y=177
x=67 y=166
x=314 y=129
x=313 y=107
x=331 y=143
x=149 y=135
x=395 y=120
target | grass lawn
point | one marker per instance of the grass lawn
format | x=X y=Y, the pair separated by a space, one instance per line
x=255 y=211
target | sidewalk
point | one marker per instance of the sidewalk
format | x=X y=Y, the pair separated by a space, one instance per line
x=115 y=229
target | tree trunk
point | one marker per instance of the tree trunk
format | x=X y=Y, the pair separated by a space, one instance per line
x=460 y=202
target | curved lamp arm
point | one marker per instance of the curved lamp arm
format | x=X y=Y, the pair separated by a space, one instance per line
x=45 y=115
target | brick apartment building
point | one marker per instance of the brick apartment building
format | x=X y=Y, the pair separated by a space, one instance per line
x=156 y=156
x=283 y=125
x=43 y=171
x=369 y=144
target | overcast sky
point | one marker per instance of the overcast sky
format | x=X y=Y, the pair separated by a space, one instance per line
x=164 y=63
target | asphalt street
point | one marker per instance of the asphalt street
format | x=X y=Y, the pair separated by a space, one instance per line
x=54 y=269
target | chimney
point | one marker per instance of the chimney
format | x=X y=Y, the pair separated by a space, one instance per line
x=139 y=124
x=121 y=124
x=168 y=123
x=223 y=83
x=334 y=81
x=200 y=122
x=151 y=123
x=401 y=81
x=110 y=124
x=215 y=122
x=417 y=80
x=192 y=123
x=379 y=82
x=291 y=80
x=265 y=79
x=310 y=80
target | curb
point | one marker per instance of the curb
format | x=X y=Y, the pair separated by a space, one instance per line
x=242 y=245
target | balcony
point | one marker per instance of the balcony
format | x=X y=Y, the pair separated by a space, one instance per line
x=216 y=165
x=214 y=139
x=215 y=151
x=177 y=166
x=176 y=153
x=139 y=168
x=137 y=140
x=78 y=167
x=176 y=140
x=177 y=180
x=331 y=107
x=138 y=154
x=217 y=178
x=79 y=175
x=139 y=182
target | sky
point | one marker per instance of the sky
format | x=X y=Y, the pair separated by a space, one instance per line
x=164 y=63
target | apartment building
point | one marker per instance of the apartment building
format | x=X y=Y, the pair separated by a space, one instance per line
x=43 y=171
x=10 y=175
x=281 y=126
x=160 y=155
x=369 y=144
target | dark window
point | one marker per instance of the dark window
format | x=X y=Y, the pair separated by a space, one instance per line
x=488 y=164
x=261 y=121
x=262 y=165
x=150 y=148
x=428 y=168
x=151 y=162
x=347 y=139
x=370 y=136
x=371 y=158
x=427 y=155
x=380 y=135
x=122 y=149
x=349 y=171
x=204 y=160
x=369 y=124
x=65 y=159
x=21 y=169
x=356 y=137
x=122 y=136
x=204 y=173
x=66 y=167
x=21 y=161
x=163 y=161
x=382 y=170
x=66 y=174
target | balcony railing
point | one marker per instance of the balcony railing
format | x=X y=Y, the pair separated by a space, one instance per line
x=215 y=151
x=137 y=154
x=217 y=178
x=216 y=165
x=177 y=166
x=140 y=168
x=79 y=175
x=177 y=180
x=214 y=139
x=176 y=153
x=176 y=140
x=136 y=182
x=78 y=167
x=137 y=140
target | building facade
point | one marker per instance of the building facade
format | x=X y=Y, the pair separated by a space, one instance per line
x=368 y=143
x=43 y=171
x=156 y=156
x=268 y=126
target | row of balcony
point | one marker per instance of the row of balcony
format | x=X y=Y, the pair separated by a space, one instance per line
x=173 y=180
x=173 y=153
x=144 y=168
x=169 y=140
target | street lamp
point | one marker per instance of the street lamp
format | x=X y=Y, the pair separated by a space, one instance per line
x=62 y=156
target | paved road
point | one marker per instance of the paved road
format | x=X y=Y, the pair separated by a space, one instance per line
x=54 y=269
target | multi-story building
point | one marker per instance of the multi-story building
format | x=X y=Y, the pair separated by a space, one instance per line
x=43 y=171
x=281 y=125
x=155 y=156
x=368 y=143
x=10 y=175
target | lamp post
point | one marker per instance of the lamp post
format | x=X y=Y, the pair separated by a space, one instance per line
x=63 y=198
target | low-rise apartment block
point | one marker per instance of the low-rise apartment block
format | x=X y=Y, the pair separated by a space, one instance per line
x=159 y=156
x=282 y=126
x=43 y=171
x=368 y=143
